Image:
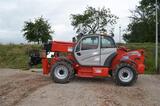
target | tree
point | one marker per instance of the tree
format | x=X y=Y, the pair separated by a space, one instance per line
x=37 y=31
x=93 y=20
x=142 y=26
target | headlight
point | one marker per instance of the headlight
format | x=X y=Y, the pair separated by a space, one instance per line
x=125 y=58
x=134 y=53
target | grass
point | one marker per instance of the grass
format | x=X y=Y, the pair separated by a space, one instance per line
x=17 y=56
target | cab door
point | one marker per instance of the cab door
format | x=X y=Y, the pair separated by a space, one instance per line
x=87 y=51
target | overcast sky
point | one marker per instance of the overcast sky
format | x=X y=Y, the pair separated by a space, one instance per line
x=13 y=13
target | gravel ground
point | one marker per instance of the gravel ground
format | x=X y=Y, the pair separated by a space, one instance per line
x=22 y=88
x=15 y=85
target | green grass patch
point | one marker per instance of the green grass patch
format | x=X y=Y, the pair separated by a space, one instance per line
x=15 y=56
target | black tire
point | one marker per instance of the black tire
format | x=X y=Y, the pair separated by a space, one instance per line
x=56 y=70
x=125 y=74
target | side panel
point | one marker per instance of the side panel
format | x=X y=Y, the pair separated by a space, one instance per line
x=106 y=53
x=58 y=46
x=93 y=72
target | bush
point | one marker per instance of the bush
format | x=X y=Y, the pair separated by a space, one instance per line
x=15 y=56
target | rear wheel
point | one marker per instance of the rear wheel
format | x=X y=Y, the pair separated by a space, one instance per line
x=125 y=74
x=61 y=72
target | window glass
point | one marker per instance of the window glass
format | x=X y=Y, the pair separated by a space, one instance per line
x=89 y=43
x=107 y=42
x=78 y=47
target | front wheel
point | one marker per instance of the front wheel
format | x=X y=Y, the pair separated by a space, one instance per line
x=125 y=74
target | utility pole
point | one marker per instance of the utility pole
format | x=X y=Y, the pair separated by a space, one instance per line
x=119 y=34
x=156 y=57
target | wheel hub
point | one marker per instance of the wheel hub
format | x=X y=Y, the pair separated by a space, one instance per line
x=125 y=74
x=61 y=72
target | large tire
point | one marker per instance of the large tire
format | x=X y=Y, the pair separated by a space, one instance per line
x=61 y=72
x=125 y=74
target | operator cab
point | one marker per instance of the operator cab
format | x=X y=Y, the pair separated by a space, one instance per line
x=95 y=50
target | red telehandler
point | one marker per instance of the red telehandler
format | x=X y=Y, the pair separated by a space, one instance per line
x=93 y=56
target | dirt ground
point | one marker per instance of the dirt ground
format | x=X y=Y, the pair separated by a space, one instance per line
x=25 y=88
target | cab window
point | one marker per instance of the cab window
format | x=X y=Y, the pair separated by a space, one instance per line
x=78 y=47
x=89 y=43
x=107 y=42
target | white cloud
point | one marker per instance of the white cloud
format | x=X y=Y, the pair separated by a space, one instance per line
x=13 y=13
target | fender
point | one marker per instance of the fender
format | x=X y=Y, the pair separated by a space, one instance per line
x=65 y=59
x=127 y=59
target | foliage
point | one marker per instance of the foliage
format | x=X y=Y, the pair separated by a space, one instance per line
x=93 y=20
x=142 y=27
x=15 y=56
x=37 y=31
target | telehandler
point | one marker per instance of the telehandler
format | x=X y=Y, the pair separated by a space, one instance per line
x=92 y=56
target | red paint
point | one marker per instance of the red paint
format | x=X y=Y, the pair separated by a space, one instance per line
x=93 y=71
x=140 y=68
x=45 y=65
x=58 y=46
x=100 y=71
